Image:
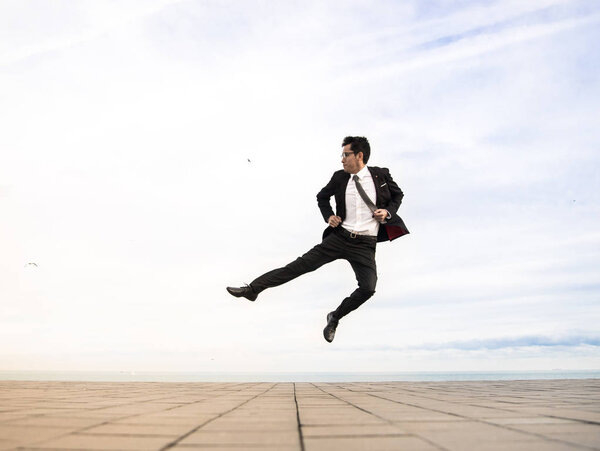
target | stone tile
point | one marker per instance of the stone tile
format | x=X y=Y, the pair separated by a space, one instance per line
x=128 y=410
x=250 y=424
x=467 y=435
x=421 y=415
x=404 y=443
x=481 y=415
x=8 y=416
x=265 y=416
x=354 y=430
x=328 y=416
x=473 y=428
x=56 y=421
x=235 y=448
x=165 y=420
x=140 y=429
x=39 y=411
x=108 y=442
x=569 y=414
x=245 y=438
x=8 y=444
x=31 y=434
x=532 y=445
x=589 y=439
x=529 y=420
x=584 y=434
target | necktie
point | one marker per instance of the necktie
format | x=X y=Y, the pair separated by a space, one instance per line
x=362 y=193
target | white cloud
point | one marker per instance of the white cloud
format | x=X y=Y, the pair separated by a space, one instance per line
x=125 y=176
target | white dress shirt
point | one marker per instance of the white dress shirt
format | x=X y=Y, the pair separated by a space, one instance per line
x=359 y=218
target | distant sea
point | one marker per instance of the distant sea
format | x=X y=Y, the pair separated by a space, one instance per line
x=433 y=376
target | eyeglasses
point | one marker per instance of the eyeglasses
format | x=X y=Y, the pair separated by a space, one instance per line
x=347 y=154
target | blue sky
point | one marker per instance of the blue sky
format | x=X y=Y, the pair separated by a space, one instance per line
x=124 y=175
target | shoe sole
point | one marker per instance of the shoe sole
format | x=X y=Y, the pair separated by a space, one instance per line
x=325 y=334
x=241 y=295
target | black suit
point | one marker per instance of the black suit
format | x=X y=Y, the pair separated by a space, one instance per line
x=338 y=243
x=389 y=197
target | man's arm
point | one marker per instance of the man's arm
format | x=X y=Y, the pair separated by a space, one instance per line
x=323 y=199
x=396 y=193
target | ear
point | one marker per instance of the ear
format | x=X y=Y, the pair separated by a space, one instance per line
x=359 y=156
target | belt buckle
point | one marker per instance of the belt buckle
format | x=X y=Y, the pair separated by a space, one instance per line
x=353 y=234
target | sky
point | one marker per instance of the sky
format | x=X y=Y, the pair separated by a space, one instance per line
x=154 y=152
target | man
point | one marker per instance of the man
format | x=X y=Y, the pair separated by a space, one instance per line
x=366 y=201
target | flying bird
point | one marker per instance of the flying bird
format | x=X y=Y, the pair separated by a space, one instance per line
x=31 y=264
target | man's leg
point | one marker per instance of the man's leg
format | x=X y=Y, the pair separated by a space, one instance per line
x=330 y=249
x=362 y=258
x=365 y=270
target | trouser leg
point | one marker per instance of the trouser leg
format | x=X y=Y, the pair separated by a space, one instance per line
x=322 y=253
x=366 y=276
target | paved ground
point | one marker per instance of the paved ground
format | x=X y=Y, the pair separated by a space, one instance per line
x=509 y=415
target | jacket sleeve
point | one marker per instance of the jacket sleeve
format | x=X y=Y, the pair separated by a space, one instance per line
x=396 y=194
x=323 y=199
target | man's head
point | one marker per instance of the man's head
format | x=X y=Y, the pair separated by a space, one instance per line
x=355 y=153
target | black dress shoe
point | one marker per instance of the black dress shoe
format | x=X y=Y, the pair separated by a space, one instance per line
x=245 y=292
x=329 y=331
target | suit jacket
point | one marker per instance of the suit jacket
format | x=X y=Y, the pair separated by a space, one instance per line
x=389 y=196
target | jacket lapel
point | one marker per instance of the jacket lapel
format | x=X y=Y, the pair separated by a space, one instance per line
x=376 y=182
x=342 y=191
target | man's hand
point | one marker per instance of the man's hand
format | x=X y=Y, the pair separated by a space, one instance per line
x=380 y=215
x=334 y=221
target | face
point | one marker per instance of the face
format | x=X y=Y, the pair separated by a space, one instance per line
x=352 y=163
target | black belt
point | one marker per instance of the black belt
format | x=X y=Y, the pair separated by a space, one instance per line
x=355 y=236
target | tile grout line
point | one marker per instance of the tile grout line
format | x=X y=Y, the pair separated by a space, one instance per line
x=418 y=394
x=82 y=430
x=503 y=426
x=187 y=434
x=298 y=420
x=380 y=417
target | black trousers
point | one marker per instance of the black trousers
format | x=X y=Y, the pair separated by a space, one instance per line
x=359 y=251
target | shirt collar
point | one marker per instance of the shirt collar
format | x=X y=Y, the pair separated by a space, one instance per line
x=364 y=172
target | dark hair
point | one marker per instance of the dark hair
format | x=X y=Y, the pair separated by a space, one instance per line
x=358 y=144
